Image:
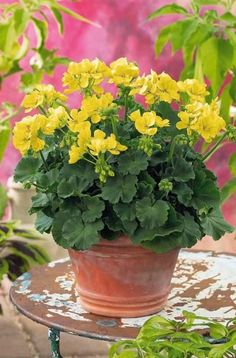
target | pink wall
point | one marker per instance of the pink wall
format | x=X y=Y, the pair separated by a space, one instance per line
x=124 y=31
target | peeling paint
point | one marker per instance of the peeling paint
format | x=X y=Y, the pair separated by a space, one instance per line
x=203 y=282
x=23 y=283
x=66 y=281
x=60 y=261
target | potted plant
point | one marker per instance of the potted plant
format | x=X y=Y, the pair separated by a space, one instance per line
x=191 y=337
x=118 y=181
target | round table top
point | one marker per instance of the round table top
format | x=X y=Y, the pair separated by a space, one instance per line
x=203 y=282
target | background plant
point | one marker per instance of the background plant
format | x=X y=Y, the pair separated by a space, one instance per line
x=16 y=44
x=114 y=166
x=18 y=251
x=207 y=39
x=161 y=337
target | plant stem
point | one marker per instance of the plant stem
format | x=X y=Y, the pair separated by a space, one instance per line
x=44 y=161
x=126 y=106
x=215 y=147
x=10 y=116
x=42 y=110
x=113 y=124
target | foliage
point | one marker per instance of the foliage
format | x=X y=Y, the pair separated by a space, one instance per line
x=209 y=51
x=114 y=166
x=161 y=337
x=18 y=252
x=15 y=45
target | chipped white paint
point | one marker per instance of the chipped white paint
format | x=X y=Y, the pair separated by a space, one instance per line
x=72 y=315
x=60 y=261
x=219 y=270
x=202 y=283
x=66 y=281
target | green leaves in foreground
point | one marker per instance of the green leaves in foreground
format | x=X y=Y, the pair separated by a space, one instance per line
x=214 y=224
x=161 y=337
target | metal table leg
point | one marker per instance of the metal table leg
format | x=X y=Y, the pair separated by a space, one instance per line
x=54 y=338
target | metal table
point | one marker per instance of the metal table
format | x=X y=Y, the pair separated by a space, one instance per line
x=203 y=282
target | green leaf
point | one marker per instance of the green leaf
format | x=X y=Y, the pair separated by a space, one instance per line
x=152 y=215
x=74 y=15
x=5 y=136
x=183 y=170
x=232 y=164
x=146 y=185
x=191 y=232
x=119 y=188
x=132 y=162
x=3 y=268
x=3 y=200
x=228 y=17
x=94 y=209
x=126 y=212
x=59 y=19
x=167 y=9
x=40 y=200
x=79 y=235
x=27 y=169
x=227 y=190
x=217 y=57
x=205 y=192
x=163 y=37
x=217 y=330
x=41 y=30
x=206 y=2
x=67 y=188
x=225 y=103
x=84 y=173
x=21 y=18
x=184 y=193
x=43 y=222
x=214 y=224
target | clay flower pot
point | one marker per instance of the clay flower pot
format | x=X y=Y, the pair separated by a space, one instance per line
x=118 y=279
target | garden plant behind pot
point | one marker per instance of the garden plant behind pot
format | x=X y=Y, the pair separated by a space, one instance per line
x=118 y=182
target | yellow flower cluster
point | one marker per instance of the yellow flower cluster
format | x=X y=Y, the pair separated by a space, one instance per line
x=202 y=118
x=85 y=75
x=93 y=108
x=156 y=88
x=195 y=90
x=123 y=72
x=42 y=95
x=148 y=123
x=96 y=144
x=25 y=134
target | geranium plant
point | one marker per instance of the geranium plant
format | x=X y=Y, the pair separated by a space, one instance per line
x=121 y=163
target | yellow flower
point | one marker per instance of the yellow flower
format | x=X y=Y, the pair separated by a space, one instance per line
x=42 y=95
x=156 y=88
x=25 y=134
x=57 y=119
x=98 y=143
x=95 y=107
x=144 y=123
x=76 y=152
x=161 y=123
x=77 y=118
x=123 y=72
x=85 y=75
x=203 y=119
x=113 y=146
x=167 y=88
x=196 y=90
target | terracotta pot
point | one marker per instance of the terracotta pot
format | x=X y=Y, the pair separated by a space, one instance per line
x=117 y=279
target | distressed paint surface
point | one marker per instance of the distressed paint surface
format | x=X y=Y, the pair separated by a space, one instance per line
x=203 y=282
